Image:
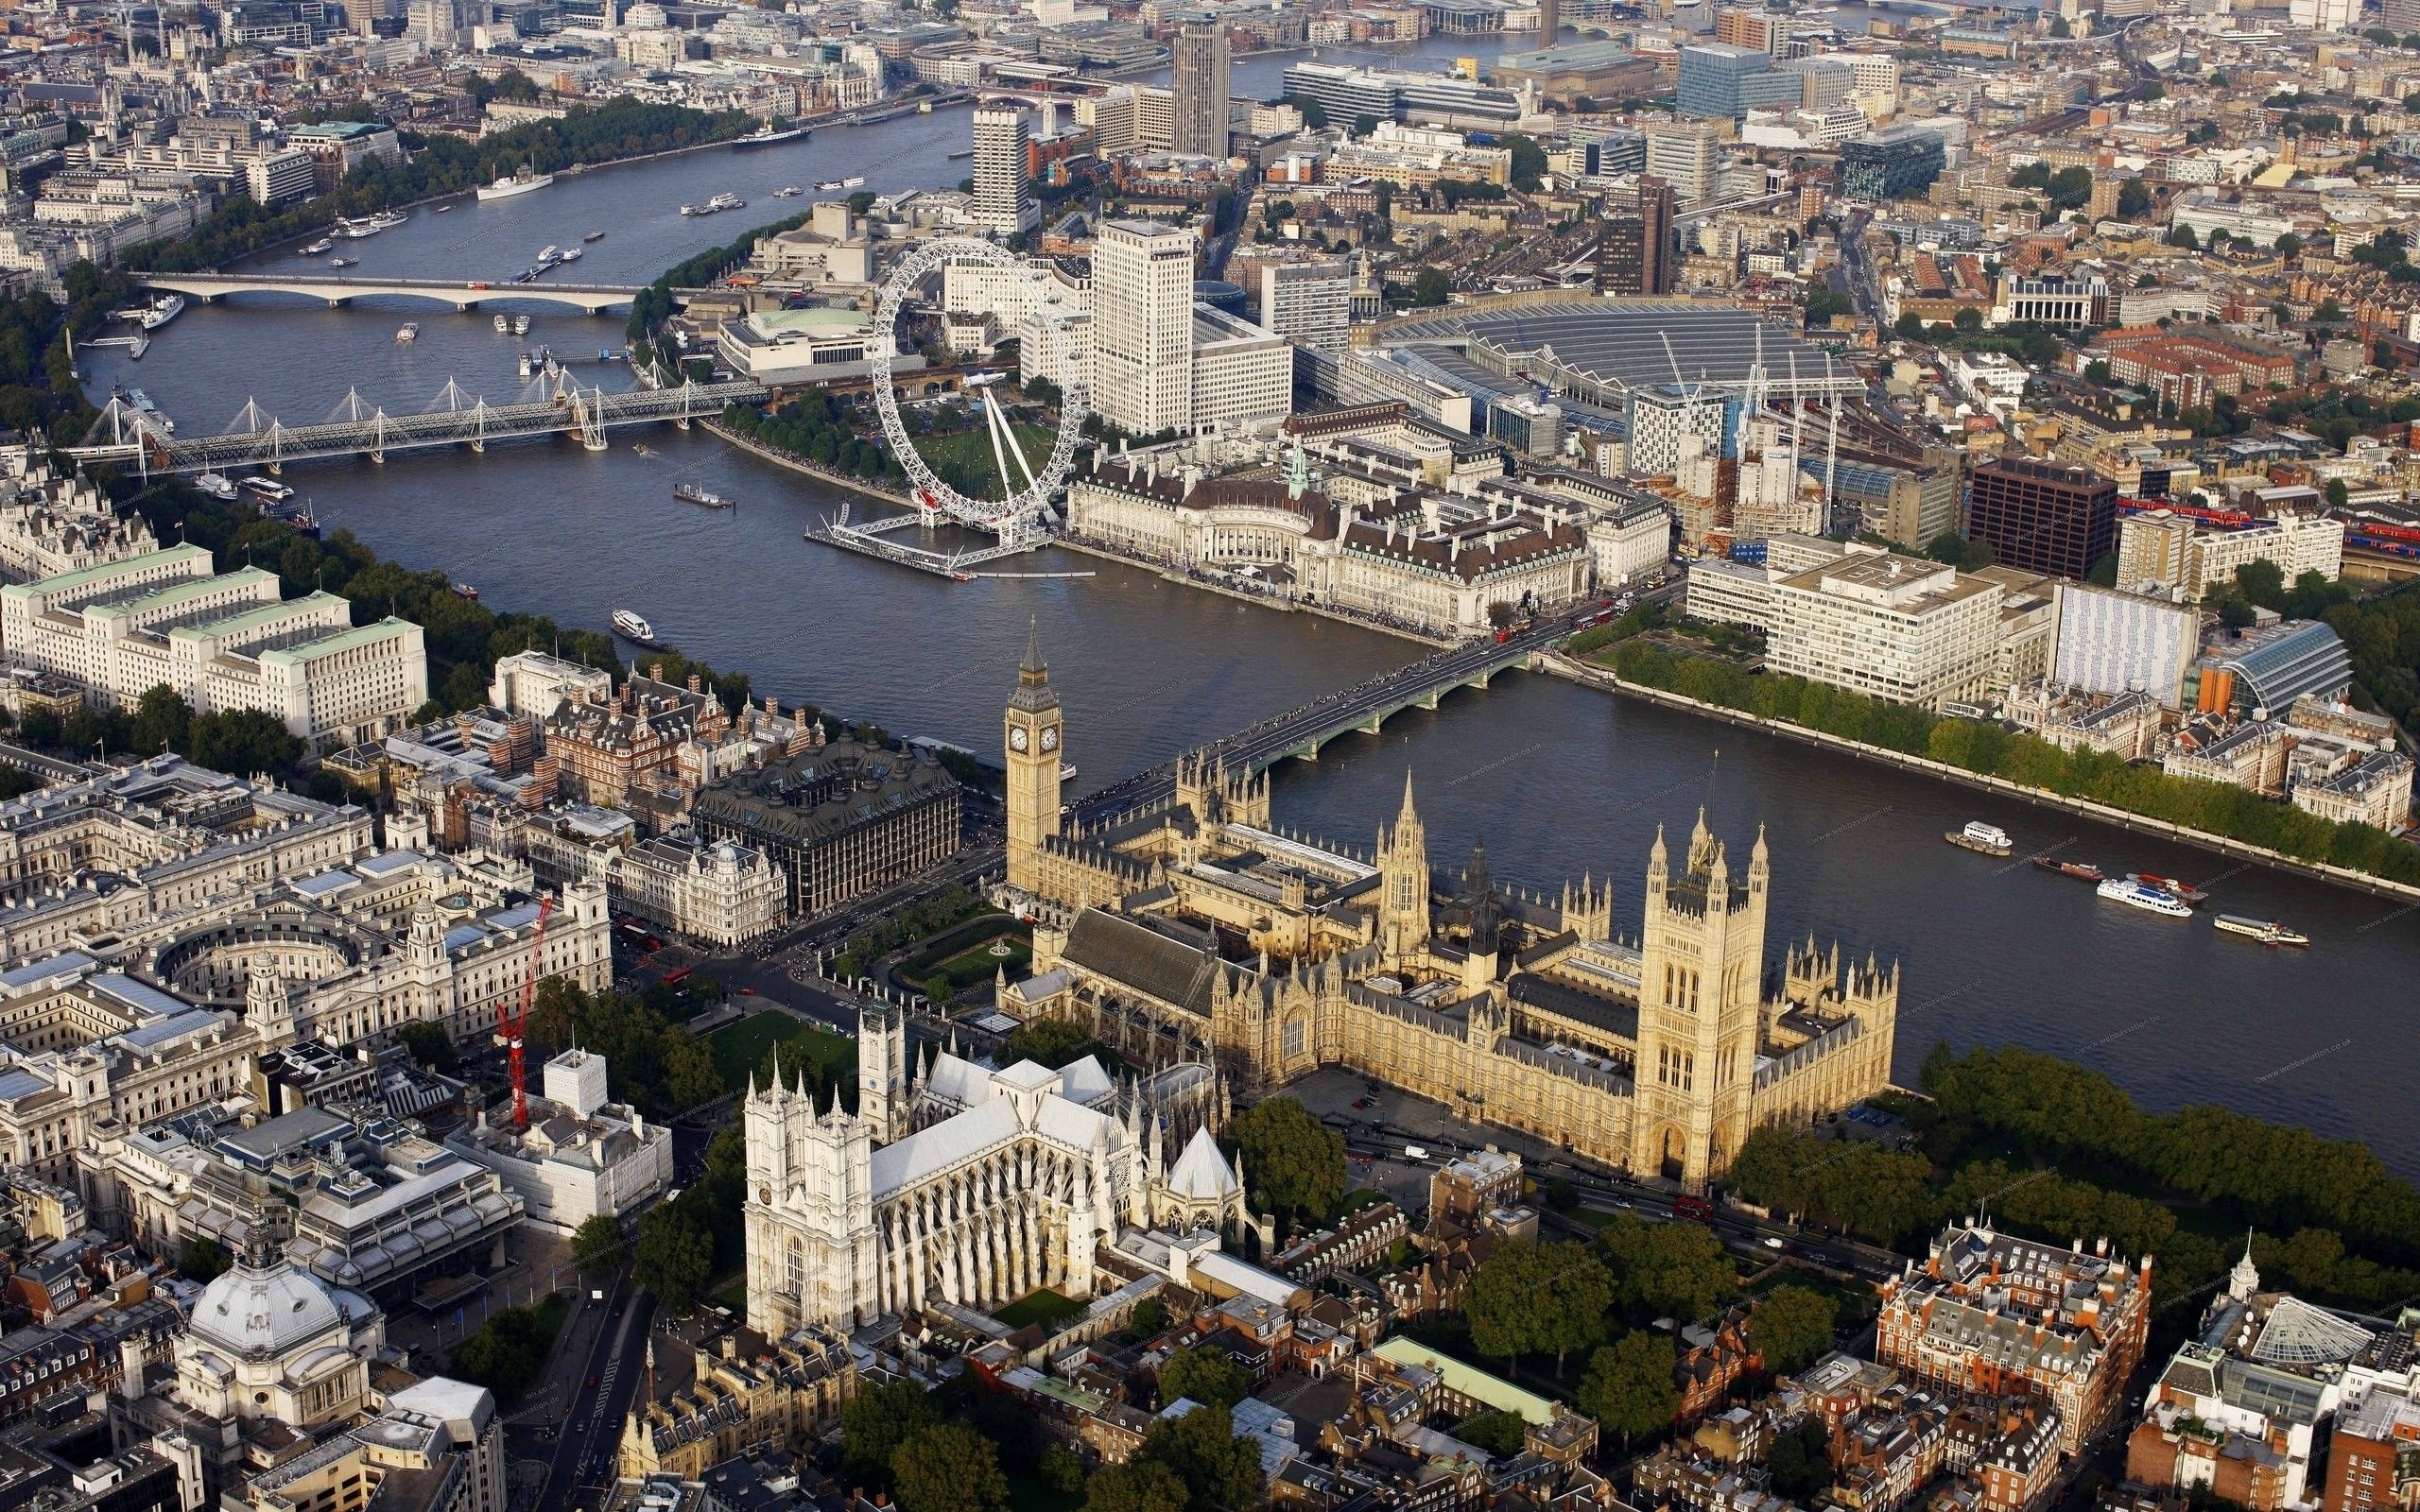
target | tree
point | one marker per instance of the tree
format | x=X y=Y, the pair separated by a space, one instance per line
x=163 y=721
x=878 y=1421
x=1139 y=1485
x=1219 y=1467
x=1528 y=161
x=597 y=1241
x=946 y=1467
x=206 y=1259
x=1791 y=1327
x=1149 y=1320
x=1968 y=319
x=2262 y=582
x=429 y=1045
x=1294 y=1162
x=1364 y=124
x=2134 y=200
x=1208 y=1376
x=1675 y=1270
x=2288 y=243
x=861 y=201
x=2181 y=235
x=554 y=1011
x=2335 y=493
x=1498 y=1431
x=1314 y=113
x=1799 y=1462
x=1052 y=1042
x=2097 y=372
x=675 y=1257
x=1431 y=288
x=1629 y=1386
x=2061 y=29
x=2236 y=614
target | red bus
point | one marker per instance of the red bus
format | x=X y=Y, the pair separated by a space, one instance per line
x=676 y=976
x=1688 y=1207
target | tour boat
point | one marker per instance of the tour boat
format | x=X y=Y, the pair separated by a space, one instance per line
x=443 y=209
x=549 y=255
x=502 y=325
x=520 y=325
x=358 y=230
x=389 y=219
x=526 y=367
x=631 y=628
x=853 y=181
x=218 y=485
x=518 y=184
x=344 y=262
x=694 y=209
x=466 y=591
x=827 y=185
x=323 y=244
x=2261 y=931
x=691 y=493
x=726 y=202
x=769 y=134
x=269 y=488
x=571 y=255
x=2151 y=899
x=1989 y=838
x=409 y=333
x=163 y=309
x=787 y=191
x=2181 y=891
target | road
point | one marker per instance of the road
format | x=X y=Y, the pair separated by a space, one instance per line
x=601 y=1381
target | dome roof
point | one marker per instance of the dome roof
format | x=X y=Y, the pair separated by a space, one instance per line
x=266 y=1309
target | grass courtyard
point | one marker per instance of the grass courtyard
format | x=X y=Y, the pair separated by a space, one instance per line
x=740 y=1048
x=971 y=451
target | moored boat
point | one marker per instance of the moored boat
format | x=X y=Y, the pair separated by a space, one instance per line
x=218 y=485
x=2267 y=932
x=519 y=184
x=2151 y=899
x=465 y=591
x=2181 y=891
x=593 y=236
x=571 y=255
x=323 y=245
x=269 y=488
x=692 y=493
x=2081 y=871
x=1988 y=839
x=631 y=628
x=502 y=325
x=520 y=325
x=343 y=262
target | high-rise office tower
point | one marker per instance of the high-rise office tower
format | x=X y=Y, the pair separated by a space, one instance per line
x=1308 y=303
x=1682 y=153
x=1550 y=23
x=1002 y=206
x=1634 y=255
x=1200 y=88
x=2044 y=517
x=1141 y=359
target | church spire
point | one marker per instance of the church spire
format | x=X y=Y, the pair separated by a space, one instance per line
x=1034 y=672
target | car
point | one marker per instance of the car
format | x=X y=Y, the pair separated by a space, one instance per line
x=1774 y=1243
x=592 y=1382
x=1365 y=1102
x=482 y=285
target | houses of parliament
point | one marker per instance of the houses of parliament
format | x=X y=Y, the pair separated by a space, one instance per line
x=1198 y=933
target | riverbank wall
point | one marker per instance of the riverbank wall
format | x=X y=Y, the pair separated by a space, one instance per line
x=783 y=458
x=1559 y=665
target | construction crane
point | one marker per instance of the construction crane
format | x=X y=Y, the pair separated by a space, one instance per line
x=512 y=1024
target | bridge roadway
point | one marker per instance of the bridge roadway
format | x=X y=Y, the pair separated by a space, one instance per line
x=1300 y=731
x=462 y=293
x=587 y=414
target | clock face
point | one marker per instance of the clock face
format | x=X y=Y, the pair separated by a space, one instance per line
x=1016 y=738
x=1050 y=738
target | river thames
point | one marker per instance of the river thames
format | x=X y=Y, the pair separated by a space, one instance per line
x=1558 y=779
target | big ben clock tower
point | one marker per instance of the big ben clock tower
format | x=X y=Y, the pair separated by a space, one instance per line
x=1033 y=758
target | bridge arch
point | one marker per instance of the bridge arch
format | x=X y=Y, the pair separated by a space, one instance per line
x=459 y=294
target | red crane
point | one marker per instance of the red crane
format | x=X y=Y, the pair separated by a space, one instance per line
x=512 y=1023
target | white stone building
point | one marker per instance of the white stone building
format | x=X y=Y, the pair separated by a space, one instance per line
x=536 y=684
x=1890 y=626
x=1141 y=352
x=1241 y=374
x=580 y=1156
x=224 y=641
x=971 y=1186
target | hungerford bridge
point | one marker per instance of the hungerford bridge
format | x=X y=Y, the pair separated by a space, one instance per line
x=463 y=295
x=126 y=435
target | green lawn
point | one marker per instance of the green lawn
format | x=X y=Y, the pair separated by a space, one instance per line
x=735 y=1297
x=740 y=1048
x=1046 y=1308
x=972 y=450
x=1357 y=1200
